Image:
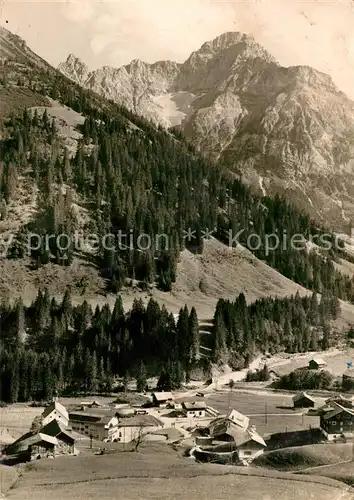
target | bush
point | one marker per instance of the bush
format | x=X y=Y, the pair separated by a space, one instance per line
x=306 y=379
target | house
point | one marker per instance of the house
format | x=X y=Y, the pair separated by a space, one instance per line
x=41 y=445
x=161 y=398
x=242 y=442
x=194 y=409
x=100 y=424
x=55 y=411
x=129 y=429
x=107 y=425
x=317 y=364
x=224 y=425
x=66 y=441
x=328 y=406
x=303 y=400
x=337 y=421
x=348 y=402
x=38 y=445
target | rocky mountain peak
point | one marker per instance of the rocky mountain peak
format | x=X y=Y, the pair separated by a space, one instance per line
x=74 y=68
x=226 y=40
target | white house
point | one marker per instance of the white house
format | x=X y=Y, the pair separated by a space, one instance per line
x=100 y=424
x=234 y=435
x=107 y=426
x=130 y=428
x=55 y=411
x=194 y=409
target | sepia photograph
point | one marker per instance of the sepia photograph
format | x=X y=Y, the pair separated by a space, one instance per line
x=177 y=249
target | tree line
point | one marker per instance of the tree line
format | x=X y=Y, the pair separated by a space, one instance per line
x=53 y=348
x=294 y=324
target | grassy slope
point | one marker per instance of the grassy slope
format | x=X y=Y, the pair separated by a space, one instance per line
x=156 y=473
x=8 y=477
x=302 y=457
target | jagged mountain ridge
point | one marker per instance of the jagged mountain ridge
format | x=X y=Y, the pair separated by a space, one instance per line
x=286 y=130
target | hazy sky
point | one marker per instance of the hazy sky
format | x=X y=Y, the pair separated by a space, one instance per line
x=317 y=33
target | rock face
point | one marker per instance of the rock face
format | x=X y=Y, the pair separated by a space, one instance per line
x=74 y=69
x=285 y=130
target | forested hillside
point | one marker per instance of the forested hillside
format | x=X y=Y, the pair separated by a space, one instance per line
x=51 y=348
x=138 y=180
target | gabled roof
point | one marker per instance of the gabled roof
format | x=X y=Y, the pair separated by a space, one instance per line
x=162 y=396
x=337 y=409
x=239 y=419
x=194 y=405
x=301 y=395
x=55 y=428
x=318 y=361
x=95 y=402
x=55 y=406
x=339 y=398
x=47 y=439
x=105 y=420
x=27 y=440
x=240 y=435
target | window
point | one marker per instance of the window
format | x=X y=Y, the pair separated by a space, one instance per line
x=334 y=422
x=200 y=413
x=247 y=453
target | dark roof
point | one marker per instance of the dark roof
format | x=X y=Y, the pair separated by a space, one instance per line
x=55 y=429
x=83 y=417
x=349 y=373
x=318 y=361
x=93 y=415
x=303 y=395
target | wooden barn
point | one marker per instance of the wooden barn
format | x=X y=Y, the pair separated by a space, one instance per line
x=317 y=364
x=303 y=400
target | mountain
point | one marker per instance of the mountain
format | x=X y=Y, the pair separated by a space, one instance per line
x=74 y=69
x=138 y=86
x=283 y=130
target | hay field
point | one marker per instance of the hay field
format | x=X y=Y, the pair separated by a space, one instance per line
x=17 y=418
x=270 y=413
